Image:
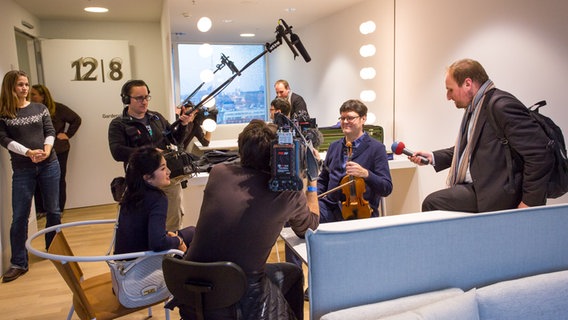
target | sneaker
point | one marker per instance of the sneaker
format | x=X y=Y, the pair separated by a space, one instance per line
x=13 y=274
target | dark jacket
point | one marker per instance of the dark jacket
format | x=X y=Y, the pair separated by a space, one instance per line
x=143 y=228
x=371 y=155
x=125 y=134
x=297 y=104
x=63 y=116
x=488 y=167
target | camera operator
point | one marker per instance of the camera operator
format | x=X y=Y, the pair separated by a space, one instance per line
x=139 y=127
x=241 y=219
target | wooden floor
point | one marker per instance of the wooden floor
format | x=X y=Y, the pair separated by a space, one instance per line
x=41 y=293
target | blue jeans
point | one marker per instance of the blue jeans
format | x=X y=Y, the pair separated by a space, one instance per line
x=24 y=180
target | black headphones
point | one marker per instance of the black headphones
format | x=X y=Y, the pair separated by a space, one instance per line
x=125 y=91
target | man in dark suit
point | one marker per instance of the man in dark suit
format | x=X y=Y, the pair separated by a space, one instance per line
x=478 y=180
x=298 y=104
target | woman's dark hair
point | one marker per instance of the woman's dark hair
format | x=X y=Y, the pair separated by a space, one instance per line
x=255 y=142
x=143 y=161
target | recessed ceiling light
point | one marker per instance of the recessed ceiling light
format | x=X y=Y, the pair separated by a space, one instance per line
x=204 y=24
x=290 y=10
x=247 y=35
x=96 y=9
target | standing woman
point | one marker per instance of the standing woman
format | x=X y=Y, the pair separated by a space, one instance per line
x=66 y=123
x=28 y=134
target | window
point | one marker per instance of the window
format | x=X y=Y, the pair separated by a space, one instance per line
x=244 y=98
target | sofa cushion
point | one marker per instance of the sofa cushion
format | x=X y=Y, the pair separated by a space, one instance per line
x=544 y=296
x=385 y=308
x=462 y=307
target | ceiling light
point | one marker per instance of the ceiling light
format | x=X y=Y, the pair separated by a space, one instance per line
x=247 y=35
x=96 y=9
x=204 y=24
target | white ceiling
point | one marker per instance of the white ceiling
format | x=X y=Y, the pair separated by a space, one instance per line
x=245 y=16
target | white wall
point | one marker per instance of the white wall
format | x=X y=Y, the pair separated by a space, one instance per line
x=146 y=58
x=332 y=76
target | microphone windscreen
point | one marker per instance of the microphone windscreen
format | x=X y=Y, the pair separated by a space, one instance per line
x=315 y=136
x=397 y=147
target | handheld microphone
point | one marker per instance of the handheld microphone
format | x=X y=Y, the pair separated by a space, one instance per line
x=298 y=44
x=399 y=148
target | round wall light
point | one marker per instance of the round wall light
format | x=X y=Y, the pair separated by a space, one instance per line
x=206 y=75
x=209 y=125
x=205 y=50
x=371 y=118
x=367 y=27
x=367 y=73
x=367 y=50
x=368 y=95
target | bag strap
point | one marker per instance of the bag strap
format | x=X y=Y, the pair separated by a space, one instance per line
x=502 y=139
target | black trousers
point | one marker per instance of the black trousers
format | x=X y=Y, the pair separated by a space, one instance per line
x=460 y=197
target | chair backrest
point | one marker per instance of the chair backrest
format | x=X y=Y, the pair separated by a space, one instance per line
x=72 y=274
x=204 y=286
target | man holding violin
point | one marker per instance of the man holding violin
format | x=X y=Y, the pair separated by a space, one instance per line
x=356 y=173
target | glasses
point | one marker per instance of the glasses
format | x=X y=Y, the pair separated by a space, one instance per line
x=141 y=99
x=349 y=118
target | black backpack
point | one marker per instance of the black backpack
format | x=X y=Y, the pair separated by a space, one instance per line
x=558 y=183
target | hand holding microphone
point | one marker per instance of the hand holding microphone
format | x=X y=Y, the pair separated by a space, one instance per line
x=399 y=148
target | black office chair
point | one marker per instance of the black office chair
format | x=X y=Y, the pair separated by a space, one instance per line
x=204 y=286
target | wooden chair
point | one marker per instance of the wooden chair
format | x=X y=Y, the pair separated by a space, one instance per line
x=204 y=286
x=93 y=298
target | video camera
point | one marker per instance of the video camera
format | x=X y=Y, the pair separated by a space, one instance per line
x=291 y=156
x=180 y=163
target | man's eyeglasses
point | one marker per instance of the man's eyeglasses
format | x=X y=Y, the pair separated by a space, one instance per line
x=141 y=99
x=349 y=118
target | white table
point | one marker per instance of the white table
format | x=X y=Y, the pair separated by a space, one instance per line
x=403 y=199
x=226 y=144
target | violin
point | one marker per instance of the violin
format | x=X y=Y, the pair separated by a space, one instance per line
x=354 y=206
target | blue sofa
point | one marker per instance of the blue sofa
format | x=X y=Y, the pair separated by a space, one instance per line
x=497 y=265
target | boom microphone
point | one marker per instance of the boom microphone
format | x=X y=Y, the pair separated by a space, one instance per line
x=282 y=34
x=399 y=148
x=298 y=44
x=230 y=64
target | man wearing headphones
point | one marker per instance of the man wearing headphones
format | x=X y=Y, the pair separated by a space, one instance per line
x=138 y=127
